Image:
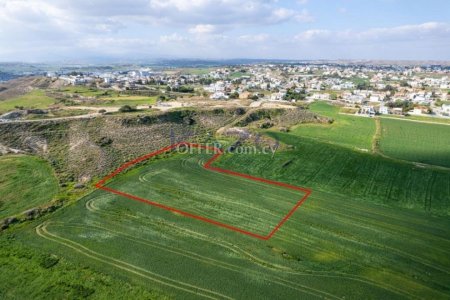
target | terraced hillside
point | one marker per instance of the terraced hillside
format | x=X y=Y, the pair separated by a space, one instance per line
x=82 y=149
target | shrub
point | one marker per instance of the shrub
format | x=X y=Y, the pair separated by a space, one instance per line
x=48 y=261
x=127 y=108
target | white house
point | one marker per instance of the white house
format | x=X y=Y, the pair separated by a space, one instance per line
x=383 y=110
x=218 y=96
x=367 y=110
x=322 y=96
x=374 y=98
x=277 y=96
x=446 y=108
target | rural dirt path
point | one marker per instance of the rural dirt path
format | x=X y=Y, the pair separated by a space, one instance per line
x=376 y=137
x=418 y=121
x=87 y=116
x=400 y=119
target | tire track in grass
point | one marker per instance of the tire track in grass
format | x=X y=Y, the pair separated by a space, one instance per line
x=42 y=231
x=284 y=269
x=398 y=251
x=227 y=209
x=190 y=163
x=376 y=137
x=344 y=219
x=373 y=211
x=428 y=194
x=221 y=264
x=381 y=285
x=266 y=264
x=390 y=227
x=91 y=207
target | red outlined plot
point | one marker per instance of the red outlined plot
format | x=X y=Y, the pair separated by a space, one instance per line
x=218 y=153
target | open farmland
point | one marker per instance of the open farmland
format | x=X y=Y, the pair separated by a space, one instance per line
x=372 y=226
x=352 y=174
x=414 y=141
x=348 y=131
x=34 y=99
x=181 y=182
x=25 y=182
x=332 y=247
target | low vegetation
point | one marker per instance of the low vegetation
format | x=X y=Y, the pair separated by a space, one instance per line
x=36 y=273
x=36 y=99
x=25 y=182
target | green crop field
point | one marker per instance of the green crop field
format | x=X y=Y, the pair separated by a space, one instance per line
x=414 y=141
x=332 y=247
x=349 y=173
x=182 y=183
x=349 y=131
x=25 y=182
x=33 y=99
x=374 y=226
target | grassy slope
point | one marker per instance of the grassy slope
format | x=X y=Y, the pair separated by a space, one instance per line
x=413 y=141
x=25 y=182
x=347 y=131
x=333 y=246
x=33 y=99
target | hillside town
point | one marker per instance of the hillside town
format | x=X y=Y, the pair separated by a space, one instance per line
x=368 y=89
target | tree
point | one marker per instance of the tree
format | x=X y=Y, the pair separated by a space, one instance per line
x=183 y=89
x=404 y=83
x=363 y=85
x=390 y=88
x=127 y=108
x=291 y=94
x=234 y=95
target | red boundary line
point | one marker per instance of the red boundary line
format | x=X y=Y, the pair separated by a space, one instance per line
x=101 y=183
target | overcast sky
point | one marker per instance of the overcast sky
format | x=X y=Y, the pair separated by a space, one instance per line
x=85 y=30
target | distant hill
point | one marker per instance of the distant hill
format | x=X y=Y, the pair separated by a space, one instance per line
x=20 y=86
x=4 y=76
